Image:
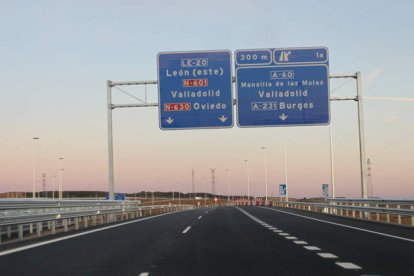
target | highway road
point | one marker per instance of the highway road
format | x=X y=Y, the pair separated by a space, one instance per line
x=223 y=241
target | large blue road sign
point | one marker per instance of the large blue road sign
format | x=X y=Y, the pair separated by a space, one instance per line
x=195 y=90
x=280 y=87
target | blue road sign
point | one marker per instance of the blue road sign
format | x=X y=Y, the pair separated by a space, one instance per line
x=289 y=87
x=325 y=190
x=195 y=90
x=282 y=189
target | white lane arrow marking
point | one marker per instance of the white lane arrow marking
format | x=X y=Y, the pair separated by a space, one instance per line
x=283 y=117
x=223 y=118
x=169 y=120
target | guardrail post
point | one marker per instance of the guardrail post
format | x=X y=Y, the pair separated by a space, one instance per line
x=353 y=211
x=20 y=231
x=412 y=217
x=31 y=228
x=388 y=215
x=9 y=232
x=378 y=213
x=101 y=219
x=39 y=227
x=94 y=220
x=65 y=225
x=399 y=216
x=76 y=223
x=85 y=222
x=53 y=226
x=49 y=225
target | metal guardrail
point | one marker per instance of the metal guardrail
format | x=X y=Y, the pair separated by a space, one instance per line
x=382 y=210
x=20 y=218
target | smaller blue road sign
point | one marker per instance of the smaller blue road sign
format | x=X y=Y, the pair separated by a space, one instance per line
x=282 y=189
x=195 y=90
x=279 y=87
x=325 y=190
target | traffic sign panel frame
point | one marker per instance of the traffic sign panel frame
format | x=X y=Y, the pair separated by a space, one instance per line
x=267 y=112
x=218 y=88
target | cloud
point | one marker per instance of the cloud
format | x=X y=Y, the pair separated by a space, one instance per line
x=391 y=99
x=372 y=77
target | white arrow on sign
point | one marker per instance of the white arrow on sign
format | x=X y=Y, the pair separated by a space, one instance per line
x=223 y=118
x=169 y=120
x=283 y=117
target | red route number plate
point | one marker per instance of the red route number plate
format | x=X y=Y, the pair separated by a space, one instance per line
x=177 y=106
x=195 y=83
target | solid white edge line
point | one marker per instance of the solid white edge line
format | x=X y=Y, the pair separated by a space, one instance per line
x=186 y=229
x=342 y=225
x=7 y=252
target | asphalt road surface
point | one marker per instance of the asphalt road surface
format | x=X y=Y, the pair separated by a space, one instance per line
x=223 y=241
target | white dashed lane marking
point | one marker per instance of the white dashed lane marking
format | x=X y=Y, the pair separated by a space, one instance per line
x=144 y=274
x=345 y=265
x=199 y=217
x=186 y=229
x=327 y=255
x=348 y=265
x=300 y=242
x=312 y=248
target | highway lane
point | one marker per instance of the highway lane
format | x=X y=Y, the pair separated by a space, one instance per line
x=228 y=242
x=224 y=241
x=378 y=249
x=126 y=250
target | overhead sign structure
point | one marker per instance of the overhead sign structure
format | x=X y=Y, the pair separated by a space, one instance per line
x=282 y=189
x=281 y=87
x=195 y=90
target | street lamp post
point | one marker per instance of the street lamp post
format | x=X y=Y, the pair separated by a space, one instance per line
x=60 y=178
x=265 y=170
x=34 y=167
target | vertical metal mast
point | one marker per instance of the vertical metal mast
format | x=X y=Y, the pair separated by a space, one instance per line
x=110 y=144
x=213 y=182
x=363 y=159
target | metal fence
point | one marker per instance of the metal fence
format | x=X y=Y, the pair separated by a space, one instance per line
x=382 y=210
x=29 y=218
